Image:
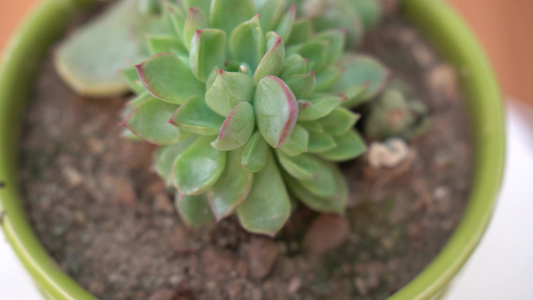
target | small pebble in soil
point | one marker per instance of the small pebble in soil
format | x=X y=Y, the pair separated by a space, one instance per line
x=388 y=154
x=361 y=286
x=326 y=233
x=72 y=176
x=235 y=290
x=294 y=285
x=423 y=55
x=443 y=81
x=261 y=254
x=163 y=295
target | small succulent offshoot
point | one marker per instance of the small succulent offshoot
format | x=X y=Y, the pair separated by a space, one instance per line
x=396 y=114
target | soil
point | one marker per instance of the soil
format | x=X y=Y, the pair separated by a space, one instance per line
x=110 y=223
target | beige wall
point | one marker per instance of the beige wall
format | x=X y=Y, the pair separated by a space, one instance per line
x=11 y=13
x=505 y=28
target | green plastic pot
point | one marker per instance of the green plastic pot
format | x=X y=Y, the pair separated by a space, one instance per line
x=436 y=20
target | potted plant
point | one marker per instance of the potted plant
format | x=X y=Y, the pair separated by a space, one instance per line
x=201 y=167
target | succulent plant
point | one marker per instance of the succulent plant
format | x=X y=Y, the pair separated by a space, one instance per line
x=396 y=113
x=249 y=102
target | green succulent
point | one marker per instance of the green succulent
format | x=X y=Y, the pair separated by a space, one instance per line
x=249 y=101
x=249 y=104
x=396 y=113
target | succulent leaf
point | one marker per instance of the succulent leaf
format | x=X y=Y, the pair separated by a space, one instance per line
x=335 y=40
x=93 y=70
x=356 y=95
x=286 y=23
x=135 y=101
x=297 y=143
x=303 y=104
x=212 y=77
x=166 y=156
x=316 y=51
x=328 y=78
x=247 y=42
x=313 y=126
x=320 y=142
x=198 y=168
x=324 y=184
x=255 y=153
x=270 y=12
x=302 y=85
x=164 y=43
x=204 y=5
x=130 y=136
x=302 y=30
x=208 y=50
x=339 y=121
x=149 y=121
x=195 y=116
x=272 y=62
x=335 y=203
x=129 y=107
x=267 y=208
x=349 y=146
x=232 y=188
x=301 y=167
x=338 y=14
x=196 y=19
x=174 y=17
x=169 y=79
x=294 y=64
x=227 y=14
x=149 y=7
x=236 y=129
x=129 y=75
x=360 y=71
x=276 y=110
x=369 y=11
x=193 y=210
x=227 y=90
x=320 y=107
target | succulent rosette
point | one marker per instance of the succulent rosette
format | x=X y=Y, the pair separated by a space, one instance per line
x=250 y=104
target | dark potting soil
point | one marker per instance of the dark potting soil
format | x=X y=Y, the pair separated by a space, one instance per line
x=110 y=223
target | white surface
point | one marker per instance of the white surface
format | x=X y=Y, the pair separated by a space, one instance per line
x=15 y=282
x=501 y=267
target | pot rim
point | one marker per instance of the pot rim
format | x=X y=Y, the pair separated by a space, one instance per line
x=439 y=23
x=456 y=42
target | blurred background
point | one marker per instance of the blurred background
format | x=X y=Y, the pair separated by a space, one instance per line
x=501 y=266
x=502 y=26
